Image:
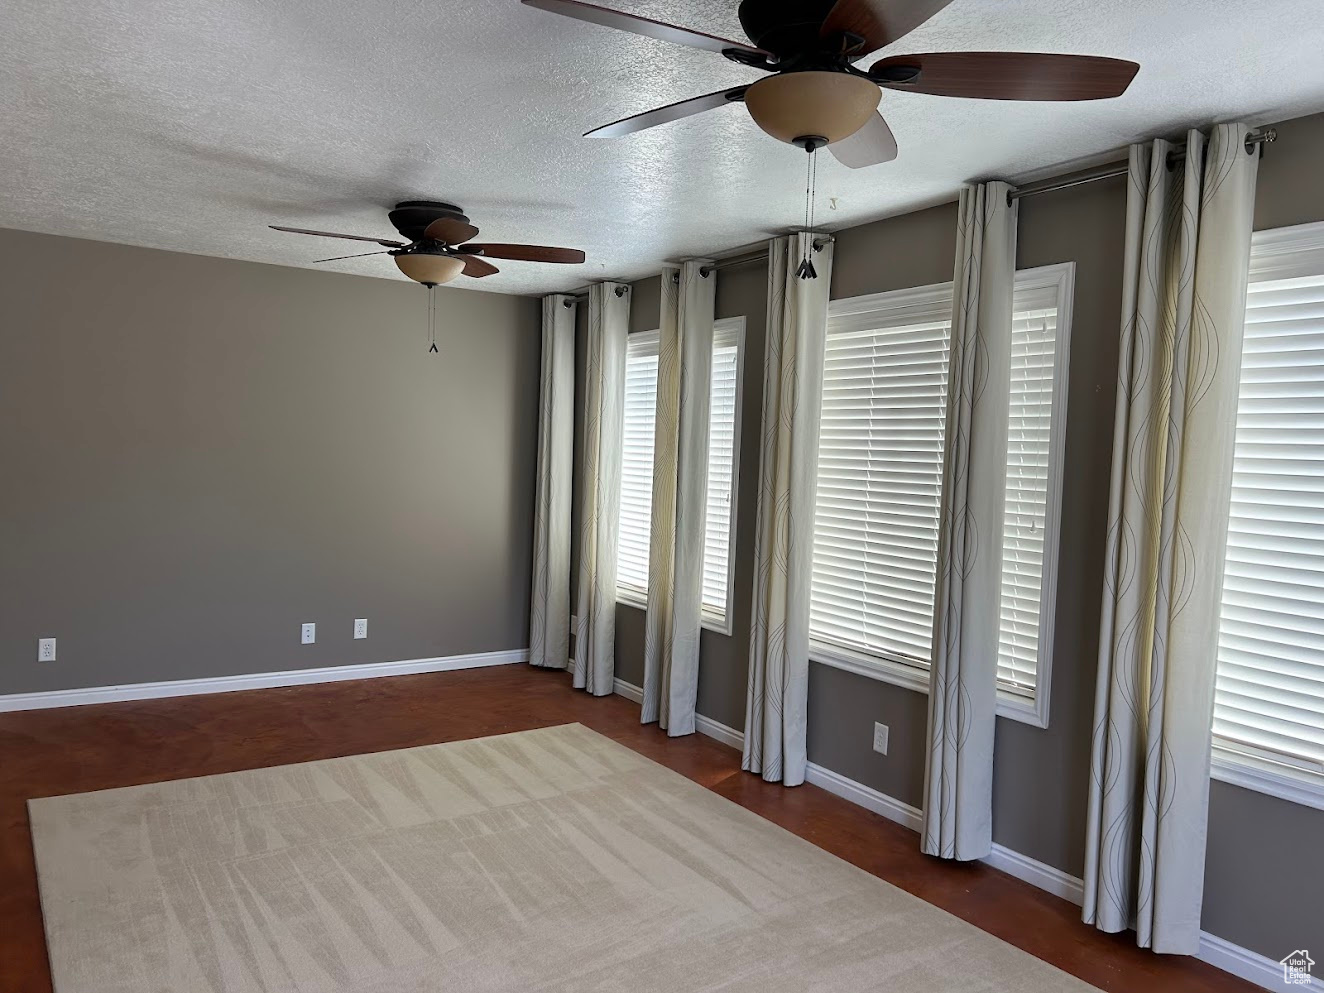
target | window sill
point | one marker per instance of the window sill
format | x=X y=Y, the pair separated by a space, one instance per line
x=717 y=625
x=1017 y=708
x=881 y=668
x=632 y=599
x=911 y=677
x=1241 y=770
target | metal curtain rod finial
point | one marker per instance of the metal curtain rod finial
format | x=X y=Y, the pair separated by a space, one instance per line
x=1262 y=137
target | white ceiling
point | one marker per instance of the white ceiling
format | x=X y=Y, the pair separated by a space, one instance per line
x=191 y=125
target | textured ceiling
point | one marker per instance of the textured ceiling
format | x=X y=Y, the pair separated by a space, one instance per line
x=190 y=125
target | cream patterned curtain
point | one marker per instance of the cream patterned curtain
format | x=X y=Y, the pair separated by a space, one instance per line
x=958 y=774
x=604 y=424
x=680 y=498
x=775 y=708
x=1183 y=311
x=549 y=607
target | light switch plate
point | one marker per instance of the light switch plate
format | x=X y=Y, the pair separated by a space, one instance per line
x=880 y=738
x=360 y=628
x=308 y=634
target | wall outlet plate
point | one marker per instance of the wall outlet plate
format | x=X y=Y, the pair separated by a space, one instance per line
x=360 y=627
x=308 y=634
x=880 y=738
x=46 y=650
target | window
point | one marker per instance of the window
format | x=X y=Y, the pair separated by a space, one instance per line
x=1269 y=692
x=723 y=442
x=880 y=485
x=637 y=470
x=637 y=467
x=1041 y=304
x=880 y=478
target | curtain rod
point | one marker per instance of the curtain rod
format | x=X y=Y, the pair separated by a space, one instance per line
x=755 y=256
x=726 y=263
x=583 y=294
x=1261 y=137
x=1264 y=136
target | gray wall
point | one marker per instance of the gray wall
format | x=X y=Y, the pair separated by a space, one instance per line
x=200 y=454
x=1263 y=872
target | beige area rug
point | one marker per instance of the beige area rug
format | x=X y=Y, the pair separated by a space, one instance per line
x=547 y=860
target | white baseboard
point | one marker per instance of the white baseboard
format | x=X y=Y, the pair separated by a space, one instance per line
x=628 y=690
x=1216 y=951
x=1049 y=878
x=718 y=731
x=863 y=796
x=1250 y=966
x=256 y=681
x=704 y=725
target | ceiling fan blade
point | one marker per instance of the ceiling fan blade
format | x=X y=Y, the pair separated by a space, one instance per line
x=362 y=255
x=642 y=25
x=1007 y=75
x=528 y=253
x=871 y=145
x=476 y=267
x=348 y=237
x=879 y=22
x=671 y=112
x=450 y=231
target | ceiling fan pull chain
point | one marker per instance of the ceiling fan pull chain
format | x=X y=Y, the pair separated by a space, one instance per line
x=432 y=319
x=809 y=173
x=806 y=270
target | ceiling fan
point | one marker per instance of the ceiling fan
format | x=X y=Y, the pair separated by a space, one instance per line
x=816 y=95
x=438 y=247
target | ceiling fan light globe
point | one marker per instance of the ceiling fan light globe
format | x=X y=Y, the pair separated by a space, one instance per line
x=831 y=105
x=424 y=268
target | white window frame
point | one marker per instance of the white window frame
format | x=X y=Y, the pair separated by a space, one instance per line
x=926 y=303
x=920 y=304
x=709 y=620
x=1276 y=254
x=1062 y=279
x=628 y=593
x=722 y=624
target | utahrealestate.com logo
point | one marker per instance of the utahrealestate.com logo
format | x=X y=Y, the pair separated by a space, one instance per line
x=1296 y=968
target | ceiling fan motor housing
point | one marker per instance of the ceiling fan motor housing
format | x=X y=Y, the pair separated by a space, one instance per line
x=784 y=27
x=411 y=217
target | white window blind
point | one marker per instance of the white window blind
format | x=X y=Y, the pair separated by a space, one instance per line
x=880 y=476
x=880 y=483
x=723 y=441
x=637 y=468
x=1269 y=696
x=1041 y=303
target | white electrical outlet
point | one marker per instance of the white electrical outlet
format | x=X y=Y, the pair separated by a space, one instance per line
x=880 y=738
x=308 y=634
x=361 y=627
x=46 y=650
